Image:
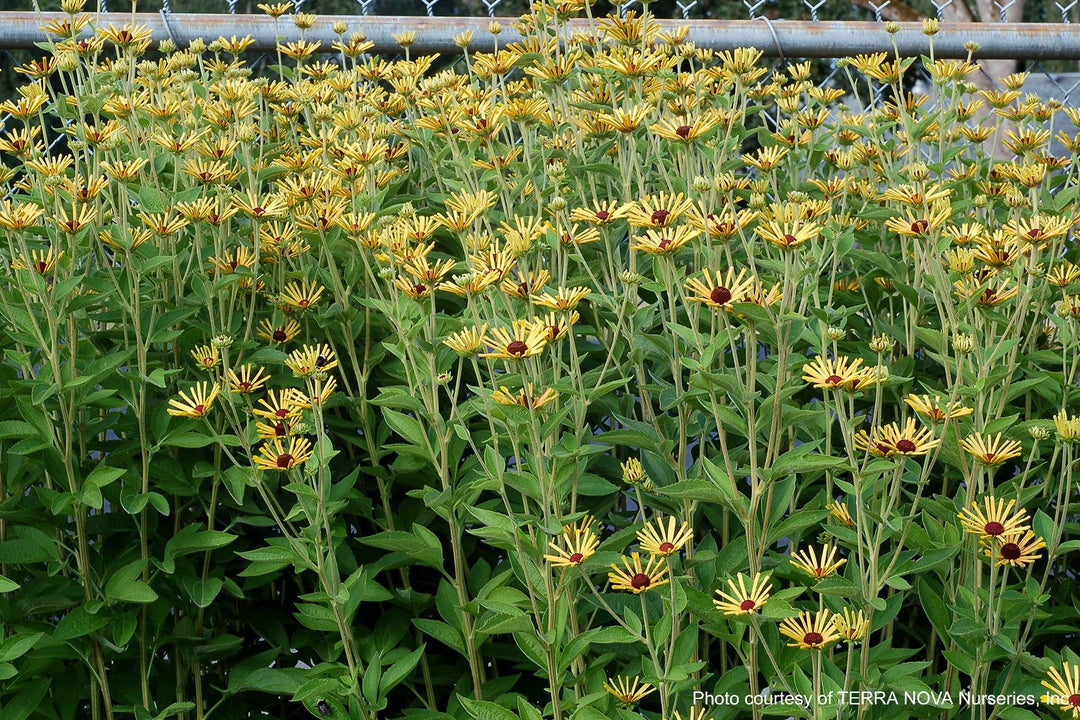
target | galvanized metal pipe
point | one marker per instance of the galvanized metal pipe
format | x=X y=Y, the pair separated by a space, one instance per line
x=1033 y=41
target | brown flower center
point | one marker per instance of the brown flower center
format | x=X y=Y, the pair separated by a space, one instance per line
x=666 y=547
x=834 y=380
x=1010 y=551
x=304 y=302
x=664 y=244
x=517 y=348
x=200 y=409
x=1074 y=699
x=576 y=558
x=639 y=581
x=993 y=528
x=280 y=430
x=920 y=226
x=280 y=336
x=284 y=460
x=790 y=239
x=720 y=295
x=660 y=217
x=747 y=605
x=905 y=446
x=683 y=131
x=602 y=214
x=813 y=638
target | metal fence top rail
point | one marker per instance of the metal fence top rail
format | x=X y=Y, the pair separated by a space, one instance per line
x=1032 y=41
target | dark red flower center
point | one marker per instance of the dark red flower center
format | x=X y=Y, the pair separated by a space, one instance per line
x=280 y=336
x=41 y=266
x=666 y=547
x=660 y=217
x=517 y=348
x=988 y=295
x=641 y=580
x=1034 y=233
x=280 y=430
x=683 y=131
x=813 y=638
x=281 y=413
x=200 y=409
x=747 y=605
x=244 y=385
x=304 y=302
x=1010 y=551
x=993 y=528
x=720 y=295
x=523 y=288
x=663 y=244
x=905 y=446
x=284 y=460
x=790 y=239
x=1074 y=699
x=883 y=448
x=602 y=215
x=576 y=558
x=920 y=226
x=833 y=380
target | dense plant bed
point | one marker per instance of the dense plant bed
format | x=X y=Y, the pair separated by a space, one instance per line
x=585 y=377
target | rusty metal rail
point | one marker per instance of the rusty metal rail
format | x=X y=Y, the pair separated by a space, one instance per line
x=1029 y=41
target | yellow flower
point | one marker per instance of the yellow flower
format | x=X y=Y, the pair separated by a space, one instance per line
x=1068 y=426
x=42 y=262
x=196 y=402
x=664 y=539
x=299 y=295
x=788 y=235
x=765 y=158
x=206 y=356
x=466 y=341
x=935 y=409
x=665 y=241
x=309 y=360
x=279 y=334
x=627 y=691
x=839 y=373
x=851 y=626
x=635 y=578
x=1064 y=688
x=564 y=299
x=996 y=521
x=815 y=565
x=524 y=340
x=633 y=472
x=602 y=213
x=719 y=291
x=839 y=511
x=991 y=450
x=523 y=285
x=317 y=394
x=275 y=456
x=1018 y=548
x=524 y=398
x=810 y=631
x=892 y=440
x=657 y=211
x=742 y=600
x=580 y=543
x=277 y=406
x=249 y=379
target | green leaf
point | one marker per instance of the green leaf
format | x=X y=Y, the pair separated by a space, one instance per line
x=125 y=585
x=7 y=584
x=79 y=622
x=407 y=427
x=16 y=646
x=442 y=632
x=484 y=710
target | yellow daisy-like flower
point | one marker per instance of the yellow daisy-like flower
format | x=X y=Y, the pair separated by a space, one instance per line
x=997 y=520
x=919 y=224
x=839 y=511
x=524 y=398
x=893 y=440
x=664 y=539
x=665 y=241
x=1018 y=548
x=627 y=691
x=838 y=373
x=564 y=299
x=743 y=600
x=602 y=213
x=279 y=334
x=524 y=340
x=278 y=429
x=935 y=409
x=206 y=357
x=851 y=626
x=196 y=402
x=991 y=450
x=277 y=406
x=42 y=262
x=579 y=543
x=635 y=578
x=524 y=285
x=275 y=456
x=658 y=211
x=248 y=379
x=765 y=158
x=1064 y=688
x=301 y=295
x=818 y=565
x=788 y=235
x=1067 y=426
x=633 y=472
x=467 y=341
x=720 y=291
x=810 y=631
x=309 y=360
